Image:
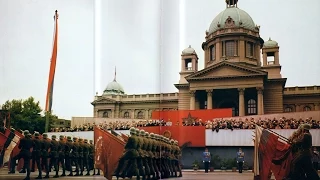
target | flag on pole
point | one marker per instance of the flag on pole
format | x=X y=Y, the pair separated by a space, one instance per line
x=52 y=65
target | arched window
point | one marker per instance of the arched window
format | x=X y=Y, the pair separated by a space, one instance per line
x=288 y=109
x=252 y=107
x=140 y=115
x=212 y=53
x=105 y=114
x=126 y=115
x=306 y=108
x=230 y=48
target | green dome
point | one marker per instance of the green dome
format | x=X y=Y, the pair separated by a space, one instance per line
x=240 y=18
x=270 y=44
x=113 y=88
x=188 y=51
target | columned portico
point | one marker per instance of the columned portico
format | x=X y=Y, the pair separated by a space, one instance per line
x=241 y=102
x=209 y=99
x=192 y=100
x=260 y=100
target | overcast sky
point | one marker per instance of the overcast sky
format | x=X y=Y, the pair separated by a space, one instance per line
x=143 y=38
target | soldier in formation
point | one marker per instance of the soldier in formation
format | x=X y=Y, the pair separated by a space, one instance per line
x=65 y=153
x=149 y=156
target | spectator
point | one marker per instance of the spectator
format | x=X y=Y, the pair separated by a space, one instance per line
x=240 y=159
x=206 y=158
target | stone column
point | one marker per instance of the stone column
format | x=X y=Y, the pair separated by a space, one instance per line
x=316 y=106
x=112 y=113
x=297 y=107
x=192 y=100
x=260 y=100
x=132 y=114
x=146 y=113
x=241 y=102
x=209 y=99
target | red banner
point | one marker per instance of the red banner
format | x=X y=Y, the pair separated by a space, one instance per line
x=183 y=134
x=179 y=116
x=283 y=156
x=108 y=151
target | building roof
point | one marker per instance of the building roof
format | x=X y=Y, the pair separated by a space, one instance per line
x=189 y=50
x=240 y=18
x=270 y=43
x=113 y=88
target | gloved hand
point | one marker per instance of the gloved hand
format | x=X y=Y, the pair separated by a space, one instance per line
x=237 y=161
x=242 y=161
x=209 y=161
x=202 y=161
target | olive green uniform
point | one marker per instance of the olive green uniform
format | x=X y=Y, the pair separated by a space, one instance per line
x=61 y=151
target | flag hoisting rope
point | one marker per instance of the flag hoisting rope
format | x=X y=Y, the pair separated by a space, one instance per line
x=52 y=71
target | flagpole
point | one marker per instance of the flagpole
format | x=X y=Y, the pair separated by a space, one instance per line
x=279 y=135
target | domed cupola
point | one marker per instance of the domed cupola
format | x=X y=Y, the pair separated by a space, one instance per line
x=270 y=44
x=188 y=51
x=232 y=17
x=114 y=88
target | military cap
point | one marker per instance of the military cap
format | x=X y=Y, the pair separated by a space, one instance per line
x=85 y=140
x=74 y=138
x=147 y=135
x=36 y=134
x=80 y=139
x=176 y=142
x=62 y=137
x=69 y=138
x=91 y=141
x=53 y=137
x=132 y=130
x=171 y=141
x=26 y=132
x=45 y=135
x=151 y=135
x=305 y=126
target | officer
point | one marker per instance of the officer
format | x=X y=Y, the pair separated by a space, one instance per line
x=75 y=155
x=91 y=159
x=86 y=147
x=80 y=159
x=54 y=155
x=68 y=156
x=45 y=154
x=301 y=165
x=61 y=151
x=141 y=153
x=36 y=154
x=26 y=143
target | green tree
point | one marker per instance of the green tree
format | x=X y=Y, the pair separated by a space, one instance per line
x=26 y=114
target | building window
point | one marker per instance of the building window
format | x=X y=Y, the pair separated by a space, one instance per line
x=306 y=108
x=250 y=49
x=252 y=107
x=230 y=48
x=140 y=115
x=212 y=53
x=105 y=114
x=288 y=109
x=126 y=115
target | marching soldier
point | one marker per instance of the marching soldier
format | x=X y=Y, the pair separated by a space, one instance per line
x=68 y=156
x=45 y=154
x=91 y=155
x=25 y=145
x=141 y=153
x=36 y=154
x=61 y=159
x=75 y=155
x=177 y=157
x=80 y=159
x=86 y=148
x=54 y=146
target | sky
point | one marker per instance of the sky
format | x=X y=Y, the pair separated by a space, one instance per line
x=143 y=39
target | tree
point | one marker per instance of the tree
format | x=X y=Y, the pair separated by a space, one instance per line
x=25 y=114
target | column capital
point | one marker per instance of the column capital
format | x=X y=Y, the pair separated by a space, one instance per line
x=260 y=90
x=209 y=92
x=192 y=93
x=316 y=104
x=241 y=91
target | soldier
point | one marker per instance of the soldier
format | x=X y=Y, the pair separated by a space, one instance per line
x=86 y=148
x=36 y=154
x=153 y=156
x=177 y=157
x=80 y=159
x=61 y=151
x=141 y=153
x=127 y=166
x=75 y=155
x=91 y=155
x=54 y=156
x=25 y=145
x=68 y=156
x=45 y=153
x=148 y=169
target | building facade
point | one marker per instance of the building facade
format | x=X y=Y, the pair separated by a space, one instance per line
x=234 y=76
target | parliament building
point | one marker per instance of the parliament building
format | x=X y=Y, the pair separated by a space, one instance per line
x=234 y=76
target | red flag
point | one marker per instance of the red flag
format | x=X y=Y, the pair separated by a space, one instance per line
x=267 y=148
x=108 y=150
x=281 y=160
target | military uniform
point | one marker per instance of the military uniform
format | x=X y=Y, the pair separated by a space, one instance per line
x=301 y=165
x=45 y=154
x=86 y=148
x=36 y=154
x=91 y=159
x=68 y=156
x=25 y=145
x=54 y=155
x=61 y=152
x=80 y=159
x=75 y=155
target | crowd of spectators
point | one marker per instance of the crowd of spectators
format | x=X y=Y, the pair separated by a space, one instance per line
x=215 y=125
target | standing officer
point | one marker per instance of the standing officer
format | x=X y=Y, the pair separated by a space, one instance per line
x=45 y=153
x=80 y=159
x=206 y=157
x=61 y=150
x=25 y=145
x=36 y=154
x=75 y=155
x=54 y=146
x=86 y=147
x=68 y=156
x=92 y=149
x=240 y=159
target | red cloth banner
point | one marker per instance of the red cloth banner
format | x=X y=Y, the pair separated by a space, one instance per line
x=183 y=134
x=282 y=160
x=179 y=116
x=108 y=151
